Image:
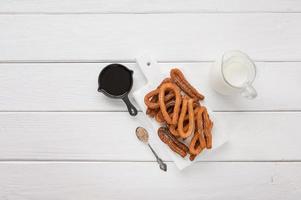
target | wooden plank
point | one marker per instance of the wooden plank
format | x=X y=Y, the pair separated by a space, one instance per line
x=144 y=6
x=110 y=136
x=72 y=87
x=80 y=181
x=169 y=37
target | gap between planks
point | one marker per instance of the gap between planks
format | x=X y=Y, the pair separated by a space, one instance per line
x=124 y=111
x=137 y=161
x=150 y=12
x=128 y=61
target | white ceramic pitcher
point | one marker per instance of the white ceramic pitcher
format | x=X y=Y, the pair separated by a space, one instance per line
x=234 y=72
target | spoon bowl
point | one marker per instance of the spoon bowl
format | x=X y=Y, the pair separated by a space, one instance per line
x=142 y=134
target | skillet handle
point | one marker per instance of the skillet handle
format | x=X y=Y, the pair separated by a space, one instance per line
x=131 y=108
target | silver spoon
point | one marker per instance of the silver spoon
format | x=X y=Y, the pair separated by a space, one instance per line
x=142 y=135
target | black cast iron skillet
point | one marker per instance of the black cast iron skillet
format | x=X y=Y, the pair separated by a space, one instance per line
x=116 y=81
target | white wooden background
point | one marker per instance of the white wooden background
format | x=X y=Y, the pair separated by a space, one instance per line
x=61 y=140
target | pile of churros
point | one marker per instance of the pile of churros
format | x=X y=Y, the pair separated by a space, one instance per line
x=175 y=104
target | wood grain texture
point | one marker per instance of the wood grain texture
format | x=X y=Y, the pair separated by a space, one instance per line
x=95 y=155
x=169 y=37
x=111 y=136
x=72 y=87
x=81 y=181
x=146 y=6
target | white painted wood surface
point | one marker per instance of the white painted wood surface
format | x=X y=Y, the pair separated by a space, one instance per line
x=72 y=87
x=110 y=136
x=168 y=37
x=142 y=180
x=60 y=139
x=146 y=6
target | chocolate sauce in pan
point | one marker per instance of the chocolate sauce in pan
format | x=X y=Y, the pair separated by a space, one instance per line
x=115 y=80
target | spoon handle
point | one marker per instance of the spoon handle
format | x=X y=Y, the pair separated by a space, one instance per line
x=162 y=165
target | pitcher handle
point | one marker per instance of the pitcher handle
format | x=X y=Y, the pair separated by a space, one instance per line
x=248 y=91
